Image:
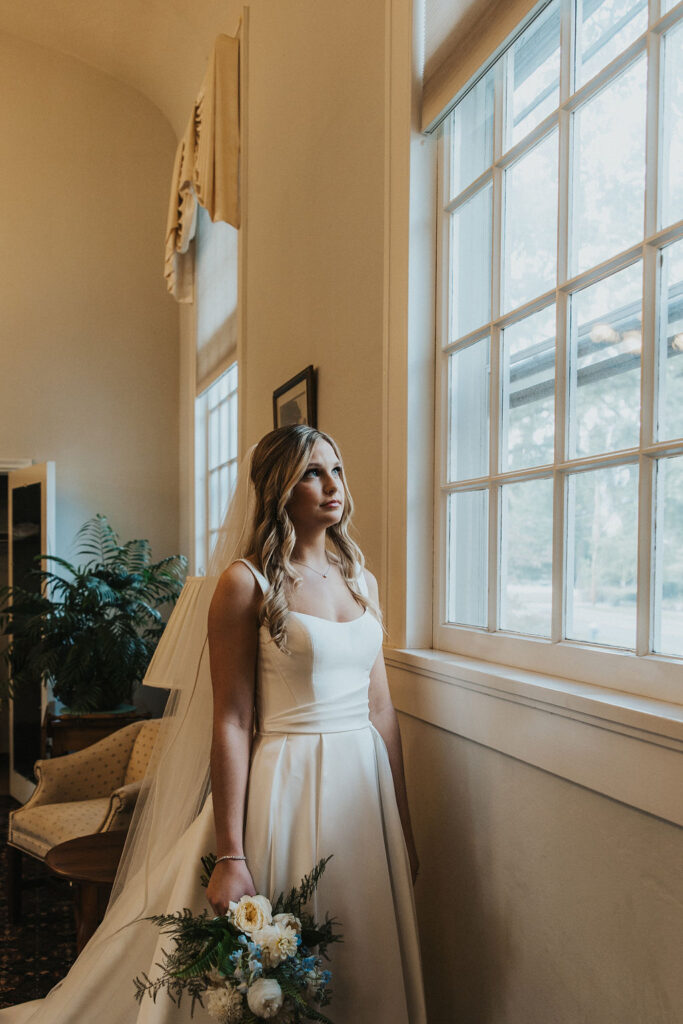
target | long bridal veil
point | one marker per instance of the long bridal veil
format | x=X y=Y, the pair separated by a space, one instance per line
x=99 y=986
x=177 y=780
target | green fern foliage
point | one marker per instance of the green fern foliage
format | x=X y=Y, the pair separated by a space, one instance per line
x=90 y=627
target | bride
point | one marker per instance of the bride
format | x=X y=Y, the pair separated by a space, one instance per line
x=290 y=719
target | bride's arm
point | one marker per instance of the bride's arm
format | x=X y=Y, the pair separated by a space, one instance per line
x=233 y=645
x=383 y=717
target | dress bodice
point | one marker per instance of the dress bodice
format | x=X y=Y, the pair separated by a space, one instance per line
x=322 y=684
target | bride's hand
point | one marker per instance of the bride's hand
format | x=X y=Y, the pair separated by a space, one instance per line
x=230 y=880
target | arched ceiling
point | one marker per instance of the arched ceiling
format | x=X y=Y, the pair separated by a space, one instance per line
x=159 y=47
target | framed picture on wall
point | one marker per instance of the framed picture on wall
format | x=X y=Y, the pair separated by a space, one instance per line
x=295 y=400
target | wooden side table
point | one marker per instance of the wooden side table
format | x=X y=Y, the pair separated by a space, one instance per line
x=89 y=863
x=69 y=733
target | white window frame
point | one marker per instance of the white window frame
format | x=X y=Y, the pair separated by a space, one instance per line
x=636 y=672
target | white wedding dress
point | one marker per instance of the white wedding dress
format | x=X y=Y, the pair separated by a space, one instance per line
x=320 y=783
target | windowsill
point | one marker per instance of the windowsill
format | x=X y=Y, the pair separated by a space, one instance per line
x=624 y=746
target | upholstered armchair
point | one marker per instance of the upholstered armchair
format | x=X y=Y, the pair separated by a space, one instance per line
x=91 y=790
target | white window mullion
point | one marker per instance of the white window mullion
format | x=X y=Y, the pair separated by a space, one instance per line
x=440 y=571
x=652 y=121
x=501 y=92
x=207 y=489
x=654 y=11
x=568 y=48
x=644 y=619
x=645 y=622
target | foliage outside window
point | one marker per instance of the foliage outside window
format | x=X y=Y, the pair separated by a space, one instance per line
x=560 y=489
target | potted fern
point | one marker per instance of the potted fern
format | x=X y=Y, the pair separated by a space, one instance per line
x=90 y=628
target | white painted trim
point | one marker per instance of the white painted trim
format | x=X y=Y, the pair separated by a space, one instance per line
x=408 y=336
x=242 y=240
x=42 y=473
x=9 y=465
x=627 y=748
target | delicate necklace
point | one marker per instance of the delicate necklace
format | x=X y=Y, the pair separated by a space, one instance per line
x=323 y=574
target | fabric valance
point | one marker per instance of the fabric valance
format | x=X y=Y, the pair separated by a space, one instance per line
x=206 y=168
x=460 y=38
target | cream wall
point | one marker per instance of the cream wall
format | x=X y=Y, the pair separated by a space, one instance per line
x=89 y=336
x=314 y=274
x=539 y=901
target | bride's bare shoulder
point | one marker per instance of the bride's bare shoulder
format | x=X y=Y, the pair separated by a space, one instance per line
x=237 y=595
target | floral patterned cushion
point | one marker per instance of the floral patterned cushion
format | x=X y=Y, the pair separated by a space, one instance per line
x=142 y=751
x=92 y=772
x=38 y=829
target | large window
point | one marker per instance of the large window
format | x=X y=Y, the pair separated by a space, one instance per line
x=560 y=418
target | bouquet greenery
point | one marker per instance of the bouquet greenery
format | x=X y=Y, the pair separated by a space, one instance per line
x=255 y=963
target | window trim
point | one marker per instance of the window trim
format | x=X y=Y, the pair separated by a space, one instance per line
x=636 y=671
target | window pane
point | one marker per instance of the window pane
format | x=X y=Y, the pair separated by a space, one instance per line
x=602 y=516
x=468 y=403
x=533 y=75
x=224 y=494
x=672 y=156
x=668 y=618
x=472 y=134
x=604 y=361
x=609 y=170
x=214 y=438
x=526 y=551
x=467 y=557
x=471 y=264
x=670 y=418
x=224 y=431
x=528 y=387
x=232 y=449
x=530 y=242
x=604 y=29
x=214 y=499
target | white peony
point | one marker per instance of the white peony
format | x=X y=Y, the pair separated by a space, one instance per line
x=224 y=1004
x=277 y=942
x=265 y=998
x=288 y=921
x=252 y=913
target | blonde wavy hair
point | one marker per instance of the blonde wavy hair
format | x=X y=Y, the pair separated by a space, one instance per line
x=278 y=463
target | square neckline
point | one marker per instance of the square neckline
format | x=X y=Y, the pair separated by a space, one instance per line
x=335 y=622
x=292 y=611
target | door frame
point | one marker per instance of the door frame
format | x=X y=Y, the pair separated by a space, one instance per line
x=23 y=475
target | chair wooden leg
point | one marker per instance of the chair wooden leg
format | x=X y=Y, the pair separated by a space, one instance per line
x=14 y=865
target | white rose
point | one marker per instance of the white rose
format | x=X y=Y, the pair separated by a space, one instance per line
x=288 y=921
x=277 y=942
x=252 y=913
x=225 y=1004
x=265 y=998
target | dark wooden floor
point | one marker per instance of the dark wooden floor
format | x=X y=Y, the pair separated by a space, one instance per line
x=37 y=953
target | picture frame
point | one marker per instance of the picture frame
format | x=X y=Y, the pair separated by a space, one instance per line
x=295 y=401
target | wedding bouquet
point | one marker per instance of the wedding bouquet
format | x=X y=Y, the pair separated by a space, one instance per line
x=255 y=963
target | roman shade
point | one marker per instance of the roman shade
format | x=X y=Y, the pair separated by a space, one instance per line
x=206 y=168
x=461 y=37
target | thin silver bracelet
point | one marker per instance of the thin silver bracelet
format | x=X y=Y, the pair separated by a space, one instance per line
x=229 y=856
